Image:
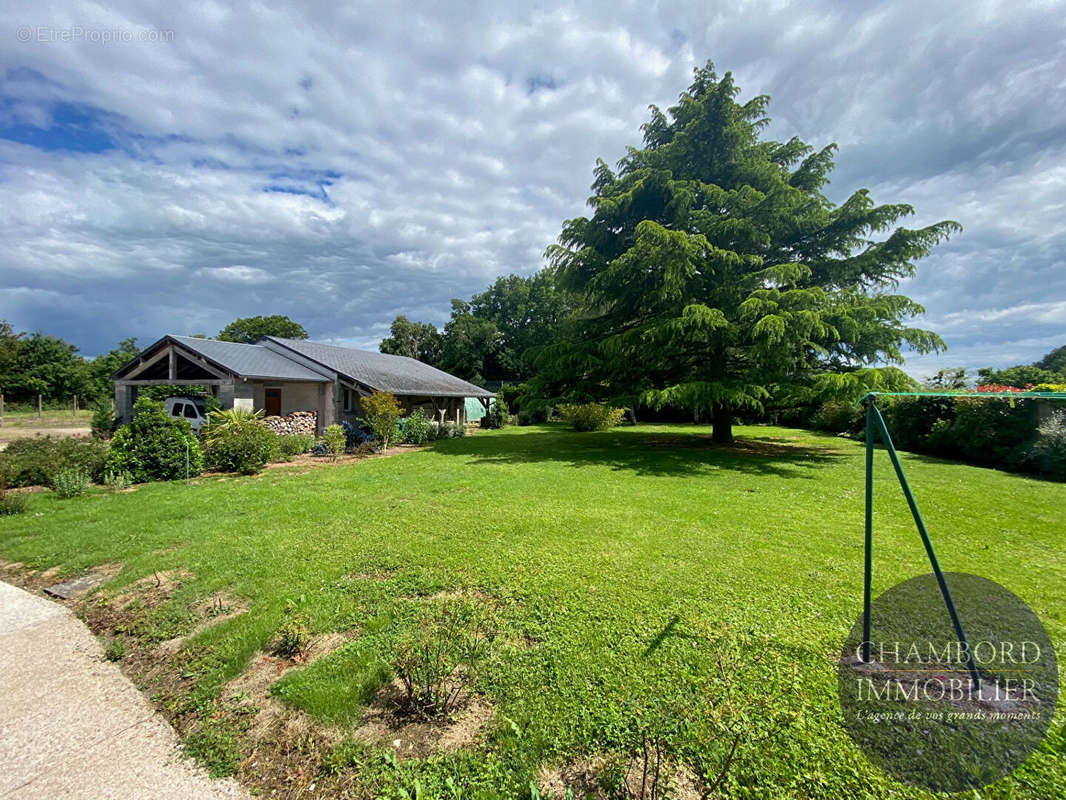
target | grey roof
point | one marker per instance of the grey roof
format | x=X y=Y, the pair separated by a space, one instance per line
x=387 y=373
x=249 y=360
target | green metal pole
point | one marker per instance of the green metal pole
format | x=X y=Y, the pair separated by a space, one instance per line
x=868 y=555
x=883 y=428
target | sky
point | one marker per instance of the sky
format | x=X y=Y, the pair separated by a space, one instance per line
x=167 y=171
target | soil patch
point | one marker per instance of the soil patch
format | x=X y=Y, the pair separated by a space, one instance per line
x=412 y=737
x=214 y=611
x=252 y=687
x=586 y=777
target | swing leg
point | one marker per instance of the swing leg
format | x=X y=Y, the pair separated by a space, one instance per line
x=875 y=414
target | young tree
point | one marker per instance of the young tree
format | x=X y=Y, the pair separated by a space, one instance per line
x=713 y=270
x=418 y=340
x=381 y=412
x=248 y=329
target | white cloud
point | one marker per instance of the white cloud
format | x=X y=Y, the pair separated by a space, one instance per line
x=341 y=165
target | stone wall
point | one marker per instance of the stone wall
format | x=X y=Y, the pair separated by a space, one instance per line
x=298 y=422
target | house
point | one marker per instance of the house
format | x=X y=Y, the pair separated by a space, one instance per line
x=282 y=376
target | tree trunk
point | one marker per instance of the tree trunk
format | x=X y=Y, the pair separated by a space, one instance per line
x=723 y=426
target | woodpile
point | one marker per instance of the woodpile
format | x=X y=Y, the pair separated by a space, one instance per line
x=298 y=422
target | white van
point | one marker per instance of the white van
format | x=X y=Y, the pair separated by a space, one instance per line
x=192 y=411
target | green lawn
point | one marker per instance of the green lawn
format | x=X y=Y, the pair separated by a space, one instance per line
x=648 y=584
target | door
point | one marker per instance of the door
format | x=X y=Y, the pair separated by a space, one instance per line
x=272 y=402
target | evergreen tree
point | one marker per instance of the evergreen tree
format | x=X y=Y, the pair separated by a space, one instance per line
x=713 y=270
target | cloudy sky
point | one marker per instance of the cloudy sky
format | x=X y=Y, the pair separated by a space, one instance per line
x=343 y=163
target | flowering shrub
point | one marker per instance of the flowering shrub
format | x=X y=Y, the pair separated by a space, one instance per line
x=999 y=387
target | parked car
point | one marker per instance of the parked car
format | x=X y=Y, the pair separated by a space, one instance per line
x=192 y=410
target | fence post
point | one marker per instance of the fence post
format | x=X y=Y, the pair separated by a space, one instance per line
x=38 y=406
x=1 y=408
x=75 y=411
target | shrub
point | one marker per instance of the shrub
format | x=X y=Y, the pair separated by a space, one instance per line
x=991 y=432
x=591 y=416
x=333 y=441
x=418 y=428
x=71 y=482
x=439 y=659
x=838 y=416
x=103 y=423
x=449 y=430
x=155 y=446
x=236 y=440
x=118 y=481
x=354 y=435
x=294 y=445
x=497 y=416
x=381 y=411
x=35 y=461
x=1047 y=454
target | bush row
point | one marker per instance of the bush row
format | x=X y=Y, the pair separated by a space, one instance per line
x=1015 y=435
x=155 y=446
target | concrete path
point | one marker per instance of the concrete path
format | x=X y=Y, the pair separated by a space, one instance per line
x=72 y=725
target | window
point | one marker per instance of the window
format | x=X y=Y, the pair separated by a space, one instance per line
x=348 y=405
x=176 y=411
x=190 y=411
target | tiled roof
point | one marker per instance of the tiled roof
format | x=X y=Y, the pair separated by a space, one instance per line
x=249 y=360
x=387 y=373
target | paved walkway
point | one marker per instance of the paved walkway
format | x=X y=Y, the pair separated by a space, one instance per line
x=72 y=725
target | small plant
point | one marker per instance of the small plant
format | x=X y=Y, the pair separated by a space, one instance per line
x=591 y=416
x=11 y=503
x=418 y=428
x=364 y=449
x=118 y=481
x=292 y=638
x=439 y=659
x=293 y=445
x=334 y=441
x=498 y=415
x=115 y=650
x=382 y=411
x=71 y=482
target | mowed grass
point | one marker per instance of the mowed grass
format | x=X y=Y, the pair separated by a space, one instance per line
x=649 y=584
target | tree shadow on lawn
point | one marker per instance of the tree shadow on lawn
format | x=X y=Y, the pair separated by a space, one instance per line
x=647 y=452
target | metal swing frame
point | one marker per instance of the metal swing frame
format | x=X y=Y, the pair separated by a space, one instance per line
x=876 y=426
